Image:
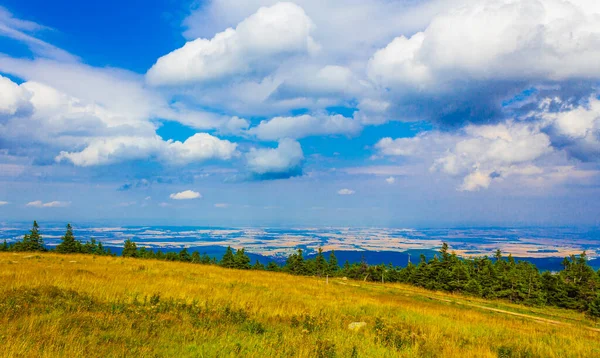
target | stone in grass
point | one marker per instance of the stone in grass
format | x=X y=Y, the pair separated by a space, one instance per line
x=356 y=326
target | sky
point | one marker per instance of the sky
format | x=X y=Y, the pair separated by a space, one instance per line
x=382 y=113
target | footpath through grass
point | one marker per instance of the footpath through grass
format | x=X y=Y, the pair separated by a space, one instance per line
x=81 y=305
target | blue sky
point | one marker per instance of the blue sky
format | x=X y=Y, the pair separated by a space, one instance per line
x=355 y=113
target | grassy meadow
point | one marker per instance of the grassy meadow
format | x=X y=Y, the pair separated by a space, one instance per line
x=94 y=306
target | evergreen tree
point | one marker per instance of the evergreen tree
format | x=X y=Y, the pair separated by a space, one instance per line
x=320 y=263
x=171 y=256
x=101 y=250
x=4 y=247
x=473 y=287
x=594 y=308
x=228 y=259
x=333 y=266
x=68 y=243
x=258 y=266
x=196 y=257
x=295 y=263
x=205 y=260
x=241 y=260
x=498 y=255
x=272 y=266
x=130 y=249
x=184 y=255
x=32 y=241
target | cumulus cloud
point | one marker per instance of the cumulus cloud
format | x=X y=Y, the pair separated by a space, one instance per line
x=260 y=40
x=185 y=195
x=493 y=151
x=106 y=135
x=477 y=54
x=330 y=81
x=276 y=163
x=547 y=39
x=478 y=153
x=305 y=126
x=346 y=192
x=197 y=148
x=51 y=204
x=14 y=97
x=576 y=129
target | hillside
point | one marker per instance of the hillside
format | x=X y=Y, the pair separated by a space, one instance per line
x=83 y=305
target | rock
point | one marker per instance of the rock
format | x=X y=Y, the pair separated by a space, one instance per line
x=356 y=326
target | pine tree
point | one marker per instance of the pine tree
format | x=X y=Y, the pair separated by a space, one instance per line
x=205 y=260
x=295 y=263
x=184 y=255
x=333 y=263
x=320 y=263
x=68 y=244
x=196 y=257
x=594 y=308
x=498 y=255
x=258 y=266
x=130 y=249
x=241 y=260
x=228 y=259
x=272 y=266
x=32 y=241
x=4 y=246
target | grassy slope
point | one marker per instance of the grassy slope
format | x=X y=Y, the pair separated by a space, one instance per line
x=97 y=306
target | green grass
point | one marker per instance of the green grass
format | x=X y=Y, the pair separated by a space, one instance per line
x=62 y=305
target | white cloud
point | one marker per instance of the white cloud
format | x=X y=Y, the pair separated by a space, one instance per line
x=346 y=28
x=305 y=126
x=197 y=148
x=2 y=203
x=345 y=192
x=476 y=180
x=14 y=97
x=287 y=157
x=390 y=180
x=221 y=205
x=107 y=136
x=185 y=195
x=478 y=153
x=495 y=39
x=328 y=82
x=575 y=128
x=400 y=146
x=51 y=204
x=260 y=40
x=493 y=151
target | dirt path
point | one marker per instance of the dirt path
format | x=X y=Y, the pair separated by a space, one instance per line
x=523 y=315
x=534 y=318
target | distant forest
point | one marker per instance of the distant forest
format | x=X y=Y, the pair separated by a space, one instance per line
x=576 y=286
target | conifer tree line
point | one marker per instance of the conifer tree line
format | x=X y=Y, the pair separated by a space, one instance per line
x=576 y=286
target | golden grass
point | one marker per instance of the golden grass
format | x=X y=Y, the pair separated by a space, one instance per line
x=76 y=305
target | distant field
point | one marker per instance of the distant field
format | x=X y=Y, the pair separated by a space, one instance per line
x=77 y=305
